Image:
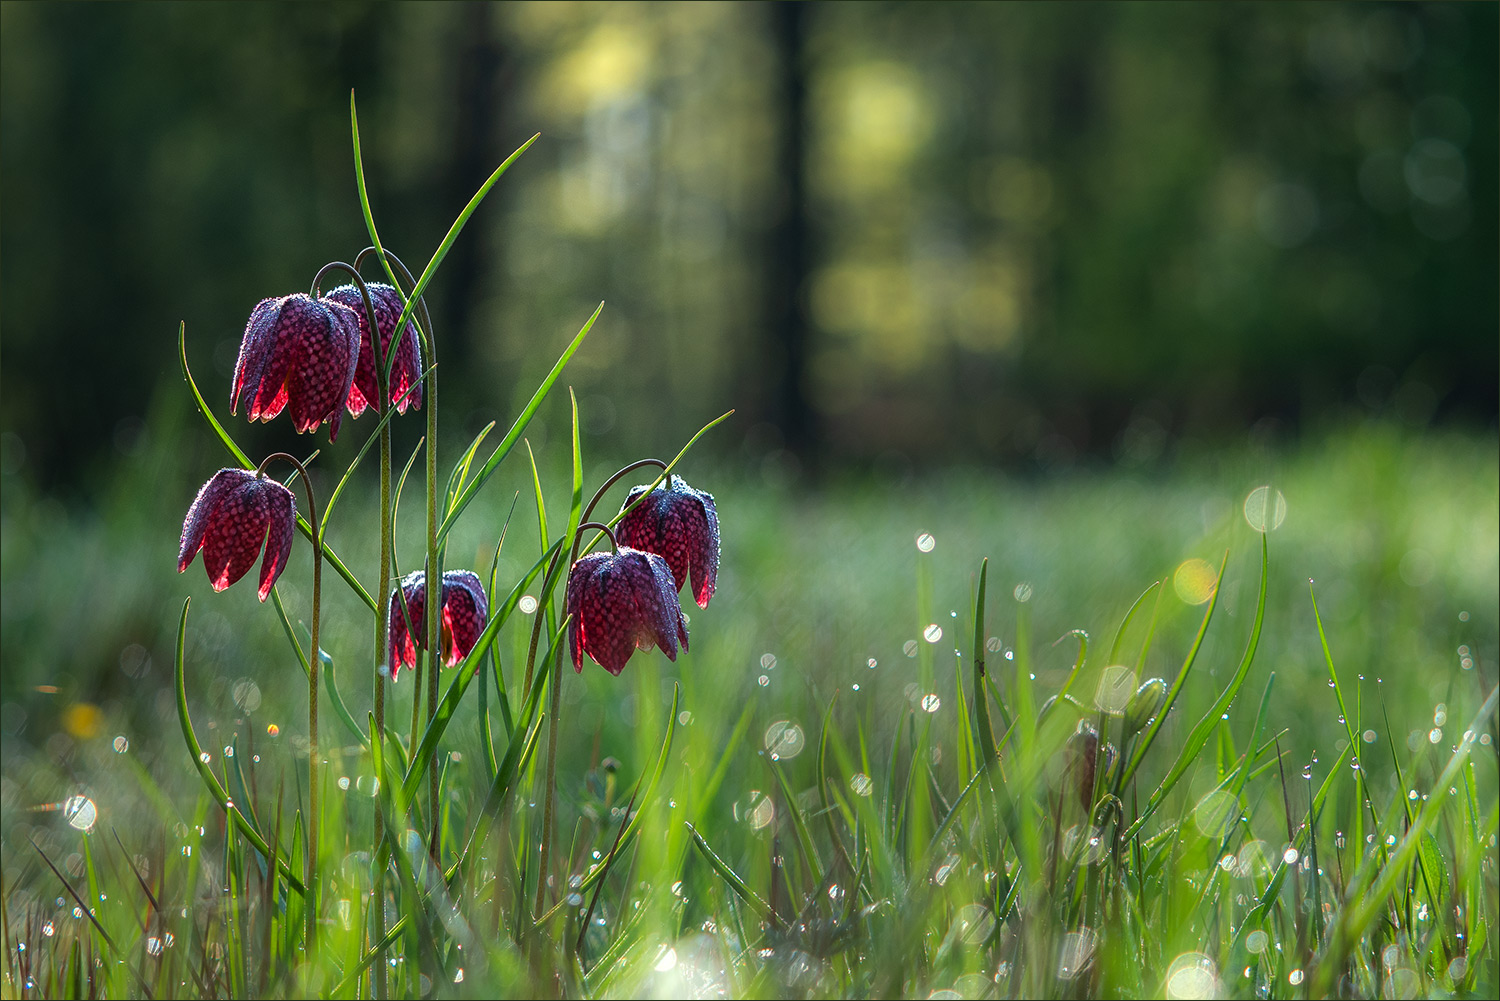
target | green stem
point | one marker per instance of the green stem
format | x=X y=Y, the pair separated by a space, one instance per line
x=382 y=661
x=556 y=699
x=314 y=662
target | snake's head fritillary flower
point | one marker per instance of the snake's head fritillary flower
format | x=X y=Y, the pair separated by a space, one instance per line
x=1083 y=757
x=407 y=366
x=234 y=513
x=621 y=602
x=298 y=352
x=465 y=613
x=679 y=524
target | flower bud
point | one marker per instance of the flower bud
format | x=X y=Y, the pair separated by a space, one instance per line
x=1144 y=704
x=1083 y=756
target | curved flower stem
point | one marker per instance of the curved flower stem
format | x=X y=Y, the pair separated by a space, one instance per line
x=604 y=487
x=614 y=545
x=314 y=661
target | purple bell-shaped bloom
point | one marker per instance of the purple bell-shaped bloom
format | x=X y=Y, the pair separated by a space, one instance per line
x=299 y=353
x=406 y=369
x=621 y=602
x=465 y=613
x=679 y=524
x=234 y=513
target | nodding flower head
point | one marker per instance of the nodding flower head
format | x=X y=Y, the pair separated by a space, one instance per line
x=679 y=524
x=1083 y=755
x=234 y=513
x=621 y=602
x=406 y=368
x=465 y=612
x=298 y=352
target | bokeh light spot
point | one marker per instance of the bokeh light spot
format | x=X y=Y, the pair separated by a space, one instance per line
x=1265 y=510
x=1195 y=580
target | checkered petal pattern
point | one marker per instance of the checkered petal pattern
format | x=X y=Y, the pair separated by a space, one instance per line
x=465 y=614
x=407 y=367
x=236 y=512
x=298 y=353
x=621 y=602
x=681 y=525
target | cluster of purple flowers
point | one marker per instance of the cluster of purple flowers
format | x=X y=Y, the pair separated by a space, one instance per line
x=314 y=357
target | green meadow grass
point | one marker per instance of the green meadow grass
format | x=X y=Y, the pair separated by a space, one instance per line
x=800 y=806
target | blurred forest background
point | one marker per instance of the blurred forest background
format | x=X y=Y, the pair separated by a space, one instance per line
x=892 y=235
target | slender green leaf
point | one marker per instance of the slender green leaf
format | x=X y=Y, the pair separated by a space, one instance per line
x=736 y=883
x=509 y=442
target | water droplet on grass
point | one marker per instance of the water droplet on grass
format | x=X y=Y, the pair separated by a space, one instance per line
x=909 y=648
x=81 y=812
x=121 y=744
x=933 y=633
x=768 y=661
x=931 y=703
x=925 y=542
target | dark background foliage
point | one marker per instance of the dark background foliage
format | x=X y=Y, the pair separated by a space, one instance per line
x=889 y=234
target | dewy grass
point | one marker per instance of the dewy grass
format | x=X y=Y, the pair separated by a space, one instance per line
x=865 y=779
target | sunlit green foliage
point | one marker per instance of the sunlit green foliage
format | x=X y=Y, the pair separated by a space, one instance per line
x=1396 y=530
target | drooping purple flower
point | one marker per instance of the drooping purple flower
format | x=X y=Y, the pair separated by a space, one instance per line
x=621 y=602
x=234 y=513
x=465 y=612
x=1083 y=756
x=679 y=524
x=298 y=352
x=406 y=368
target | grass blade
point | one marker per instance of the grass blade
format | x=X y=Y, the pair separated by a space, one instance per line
x=511 y=436
x=738 y=885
